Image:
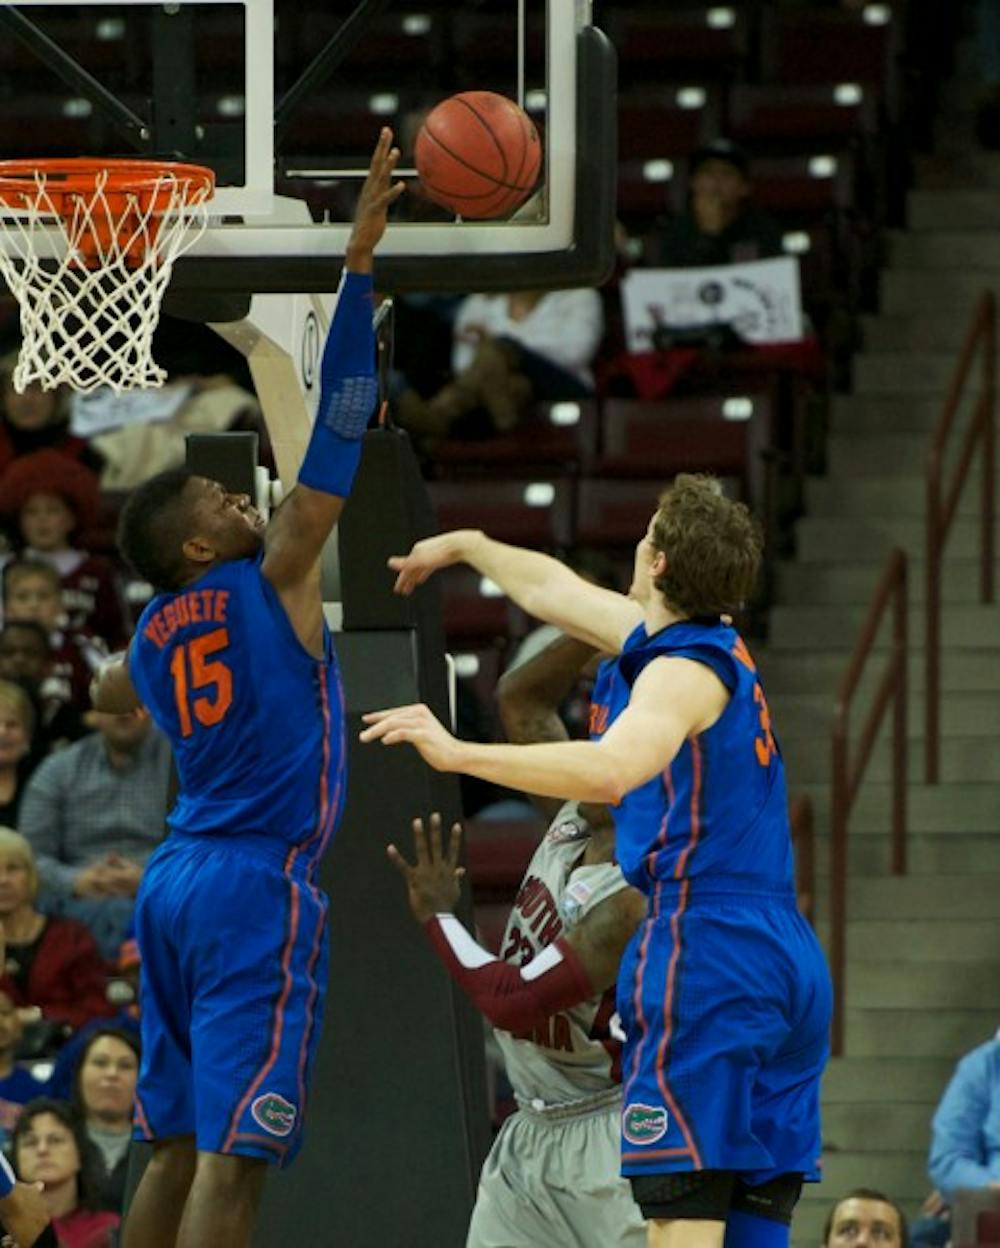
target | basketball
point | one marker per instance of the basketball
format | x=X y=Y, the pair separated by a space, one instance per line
x=478 y=154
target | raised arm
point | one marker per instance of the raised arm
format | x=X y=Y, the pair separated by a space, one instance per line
x=348 y=393
x=672 y=699
x=572 y=969
x=539 y=584
x=530 y=695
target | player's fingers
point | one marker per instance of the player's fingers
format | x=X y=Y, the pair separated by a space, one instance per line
x=398 y=861
x=435 y=837
x=454 y=844
x=420 y=842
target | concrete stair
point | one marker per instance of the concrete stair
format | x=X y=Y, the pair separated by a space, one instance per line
x=923 y=949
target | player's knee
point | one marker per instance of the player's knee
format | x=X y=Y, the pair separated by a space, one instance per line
x=174 y=1160
x=774 y=1200
x=690 y=1195
x=230 y=1176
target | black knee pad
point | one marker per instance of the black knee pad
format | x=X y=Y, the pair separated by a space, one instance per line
x=774 y=1200
x=694 y=1195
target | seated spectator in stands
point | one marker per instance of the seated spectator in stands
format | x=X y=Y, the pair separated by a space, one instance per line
x=50 y=1146
x=26 y=660
x=32 y=590
x=965 y=1140
x=17 y=1086
x=54 y=501
x=37 y=420
x=865 y=1218
x=104 y=1096
x=17 y=728
x=720 y=225
x=93 y=813
x=509 y=350
x=123 y=992
x=53 y=972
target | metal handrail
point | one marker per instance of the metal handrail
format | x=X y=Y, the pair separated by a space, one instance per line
x=942 y=504
x=847 y=775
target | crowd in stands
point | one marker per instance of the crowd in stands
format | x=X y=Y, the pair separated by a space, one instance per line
x=83 y=796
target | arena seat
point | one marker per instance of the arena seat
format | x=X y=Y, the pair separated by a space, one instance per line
x=701 y=42
x=535 y=513
x=804 y=189
x=614 y=513
x=341 y=124
x=780 y=119
x=473 y=618
x=830 y=46
x=647 y=190
x=487 y=40
x=555 y=438
x=720 y=434
x=667 y=121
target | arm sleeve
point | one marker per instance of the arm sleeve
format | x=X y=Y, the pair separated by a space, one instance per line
x=515 y=999
x=957 y=1156
x=348 y=391
x=40 y=820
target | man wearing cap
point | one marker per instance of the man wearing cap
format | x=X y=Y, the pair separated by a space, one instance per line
x=720 y=225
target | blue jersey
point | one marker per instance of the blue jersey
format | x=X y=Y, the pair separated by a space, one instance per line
x=255 y=721
x=719 y=812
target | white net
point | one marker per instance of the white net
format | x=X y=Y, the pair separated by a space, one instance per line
x=89 y=278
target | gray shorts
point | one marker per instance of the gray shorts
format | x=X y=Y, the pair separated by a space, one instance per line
x=552 y=1181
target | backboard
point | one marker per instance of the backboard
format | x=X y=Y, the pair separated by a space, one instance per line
x=284 y=101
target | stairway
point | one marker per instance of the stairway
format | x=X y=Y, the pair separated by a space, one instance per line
x=924 y=950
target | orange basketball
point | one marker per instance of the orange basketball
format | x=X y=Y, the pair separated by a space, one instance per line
x=478 y=154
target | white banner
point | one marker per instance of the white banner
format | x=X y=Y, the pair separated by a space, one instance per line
x=102 y=409
x=761 y=300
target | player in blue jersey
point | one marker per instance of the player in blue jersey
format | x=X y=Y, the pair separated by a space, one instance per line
x=723 y=992
x=234 y=662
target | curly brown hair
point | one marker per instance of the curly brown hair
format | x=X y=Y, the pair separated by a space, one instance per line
x=712 y=544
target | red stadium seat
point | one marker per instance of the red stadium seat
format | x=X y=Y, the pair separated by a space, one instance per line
x=703 y=42
x=614 y=513
x=527 y=513
x=793 y=120
x=647 y=189
x=722 y=435
x=831 y=46
x=667 y=121
x=474 y=616
x=804 y=189
x=556 y=438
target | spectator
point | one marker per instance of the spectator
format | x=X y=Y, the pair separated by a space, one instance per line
x=17 y=1086
x=508 y=350
x=865 y=1218
x=17 y=728
x=53 y=972
x=54 y=502
x=37 y=420
x=104 y=1096
x=965 y=1140
x=93 y=813
x=33 y=591
x=50 y=1146
x=26 y=660
x=123 y=991
x=720 y=225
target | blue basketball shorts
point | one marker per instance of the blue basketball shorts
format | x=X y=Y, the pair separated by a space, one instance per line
x=233 y=940
x=726 y=1003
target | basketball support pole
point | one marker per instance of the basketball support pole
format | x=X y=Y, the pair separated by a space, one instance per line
x=397 y=1122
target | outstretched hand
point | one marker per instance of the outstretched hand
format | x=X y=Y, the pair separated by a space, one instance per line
x=427 y=557
x=432 y=882
x=377 y=195
x=420 y=727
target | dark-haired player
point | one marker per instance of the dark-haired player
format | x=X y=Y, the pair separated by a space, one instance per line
x=723 y=992
x=552 y=1174
x=236 y=665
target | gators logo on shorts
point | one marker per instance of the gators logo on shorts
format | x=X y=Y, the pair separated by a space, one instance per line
x=644 y=1124
x=274 y=1113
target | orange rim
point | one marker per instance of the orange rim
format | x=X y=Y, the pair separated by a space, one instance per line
x=79 y=176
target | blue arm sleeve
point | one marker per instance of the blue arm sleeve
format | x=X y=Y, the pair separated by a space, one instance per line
x=957 y=1157
x=348 y=391
x=6 y=1177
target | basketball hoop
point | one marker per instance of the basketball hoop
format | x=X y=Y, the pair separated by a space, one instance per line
x=87 y=252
